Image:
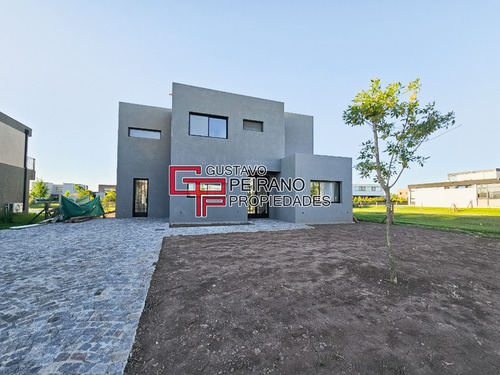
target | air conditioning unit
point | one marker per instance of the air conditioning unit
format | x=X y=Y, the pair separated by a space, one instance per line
x=15 y=207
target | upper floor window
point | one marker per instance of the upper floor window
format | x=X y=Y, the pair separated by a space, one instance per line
x=144 y=133
x=255 y=126
x=207 y=126
x=329 y=188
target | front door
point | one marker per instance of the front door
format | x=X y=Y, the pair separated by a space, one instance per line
x=140 y=197
x=256 y=210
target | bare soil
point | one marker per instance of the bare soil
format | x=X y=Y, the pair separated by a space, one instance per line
x=317 y=302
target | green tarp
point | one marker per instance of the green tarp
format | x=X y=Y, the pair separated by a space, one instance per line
x=70 y=209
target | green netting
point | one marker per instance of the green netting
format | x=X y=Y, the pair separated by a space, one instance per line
x=70 y=209
x=80 y=201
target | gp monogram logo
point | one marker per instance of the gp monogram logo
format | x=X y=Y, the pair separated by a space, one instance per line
x=202 y=189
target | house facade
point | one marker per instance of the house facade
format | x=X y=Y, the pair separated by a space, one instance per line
x=16 y=168
x=367 y=190
x=463 y=189
x=248 y=152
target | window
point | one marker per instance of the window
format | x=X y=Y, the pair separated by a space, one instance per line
x=374 y=188
x=254 y=126
x=207 y=126
x=191 y=186
x=494 y=191
x=326 y=188
x=144 y=133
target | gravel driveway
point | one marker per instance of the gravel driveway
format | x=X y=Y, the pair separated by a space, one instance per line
x=72 y=294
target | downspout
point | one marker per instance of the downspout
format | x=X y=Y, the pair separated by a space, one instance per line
x=26 y=135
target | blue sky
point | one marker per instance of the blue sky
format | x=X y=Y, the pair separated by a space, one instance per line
x=65 y=65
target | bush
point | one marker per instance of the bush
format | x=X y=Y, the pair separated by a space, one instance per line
x=6 y=216
x=358 y=201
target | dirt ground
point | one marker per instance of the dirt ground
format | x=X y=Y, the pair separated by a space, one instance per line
x=316 y=302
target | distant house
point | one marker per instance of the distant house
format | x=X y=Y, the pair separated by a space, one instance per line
x=367 y=190
x=105 y=188
x=463 y=189
x=16 y=168
x=402 y=194
x=55 y=190
x=69 y=186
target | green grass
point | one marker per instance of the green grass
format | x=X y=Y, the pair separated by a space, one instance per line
x=479 y=221
x=8 y=220
x=41 y=205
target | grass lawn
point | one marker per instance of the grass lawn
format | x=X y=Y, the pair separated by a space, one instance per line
x=14 y=220
x=481 y=221
x=41 y=205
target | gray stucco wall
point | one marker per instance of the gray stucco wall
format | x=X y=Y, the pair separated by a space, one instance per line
x=12 y=162
x=319 y=168
x=143 y=158
x=288 y=166
x=11 y=185
x=242 y=147
x=299 y=138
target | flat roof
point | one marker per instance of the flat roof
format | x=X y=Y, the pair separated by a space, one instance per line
x=456 y=183
x=478 y=171
x=7 y=120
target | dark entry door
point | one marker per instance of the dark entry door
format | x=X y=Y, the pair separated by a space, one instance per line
x=260 y=210
x=140 y=197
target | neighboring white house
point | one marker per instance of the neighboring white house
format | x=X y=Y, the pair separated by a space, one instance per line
x=69 y=186
x=56 y=190
x=367 y=190
x=463 y=189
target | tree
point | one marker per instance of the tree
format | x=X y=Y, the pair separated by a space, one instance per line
x=39 y=190
x=81 y=192
x=398 y=130
x=110 y=196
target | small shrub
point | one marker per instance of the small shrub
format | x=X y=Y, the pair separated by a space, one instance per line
x=6 y=216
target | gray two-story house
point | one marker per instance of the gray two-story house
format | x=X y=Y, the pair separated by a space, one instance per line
x=259 y=156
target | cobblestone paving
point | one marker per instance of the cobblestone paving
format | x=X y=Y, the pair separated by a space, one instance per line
x=72 y=294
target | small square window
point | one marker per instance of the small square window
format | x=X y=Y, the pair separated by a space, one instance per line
x=254 y=126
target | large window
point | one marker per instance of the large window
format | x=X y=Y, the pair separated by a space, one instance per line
x=207 y=126
x=326 y=188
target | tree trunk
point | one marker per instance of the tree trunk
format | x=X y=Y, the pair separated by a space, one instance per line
x=392 y=262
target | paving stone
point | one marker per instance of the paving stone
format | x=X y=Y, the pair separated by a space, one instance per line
x=72 y=294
